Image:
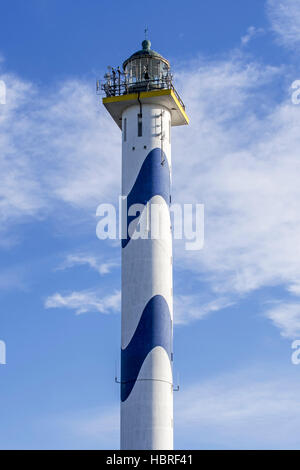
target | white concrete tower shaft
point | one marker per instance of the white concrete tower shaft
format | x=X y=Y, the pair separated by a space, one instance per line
x=144 y=104
x=147 y=311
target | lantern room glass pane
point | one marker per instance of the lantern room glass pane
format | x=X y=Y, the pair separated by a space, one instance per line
x=145 y=68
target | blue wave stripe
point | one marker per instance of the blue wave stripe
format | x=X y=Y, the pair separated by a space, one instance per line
x=153 y=179
x=154 y=329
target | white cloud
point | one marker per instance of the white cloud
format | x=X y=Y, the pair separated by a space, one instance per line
x=294 y=288
x=20 y=190
x=285 y=20
x=86 y=301
x=87 y=152
x=188 y=308
x=55 y=146
x=89 y=260
x=242 y=162
x=242 y=410
x=252 y=32
x=286 y=317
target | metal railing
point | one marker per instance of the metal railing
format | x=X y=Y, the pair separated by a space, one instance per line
x=118 y=85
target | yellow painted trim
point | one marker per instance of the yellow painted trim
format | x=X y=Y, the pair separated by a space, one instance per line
x=146 y=94
x=116 y=99
x=134 y=96
x=179 y=106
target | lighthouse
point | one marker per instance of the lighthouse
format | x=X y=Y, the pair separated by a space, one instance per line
x=144 y=104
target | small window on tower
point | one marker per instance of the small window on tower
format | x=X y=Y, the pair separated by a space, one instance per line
x=140 y=125
x=125 y=129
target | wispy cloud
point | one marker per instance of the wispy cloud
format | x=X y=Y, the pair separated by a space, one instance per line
x=286 y=317
x=54 y=147
x=20 y=191
x=252 y=32
x=294 y=288
x=82 y=259
x=242 y=144
x=248 y=161
x=85 y=301
x=242 y=410
x=285 y=20
x=188 y=308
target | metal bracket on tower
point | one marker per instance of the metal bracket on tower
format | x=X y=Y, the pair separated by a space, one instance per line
x=176 y=389
x=116 y=374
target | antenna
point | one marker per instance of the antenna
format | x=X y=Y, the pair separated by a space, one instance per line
x=146 y=32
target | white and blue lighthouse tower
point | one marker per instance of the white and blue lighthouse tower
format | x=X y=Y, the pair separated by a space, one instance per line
x=145 y=105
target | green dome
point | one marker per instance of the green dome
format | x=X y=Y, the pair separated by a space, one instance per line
x=146 y=44
x=145 y=52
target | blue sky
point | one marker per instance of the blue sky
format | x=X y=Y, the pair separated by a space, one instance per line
x=237 y=305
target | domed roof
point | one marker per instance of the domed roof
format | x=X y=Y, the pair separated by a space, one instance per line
x=145 y=52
